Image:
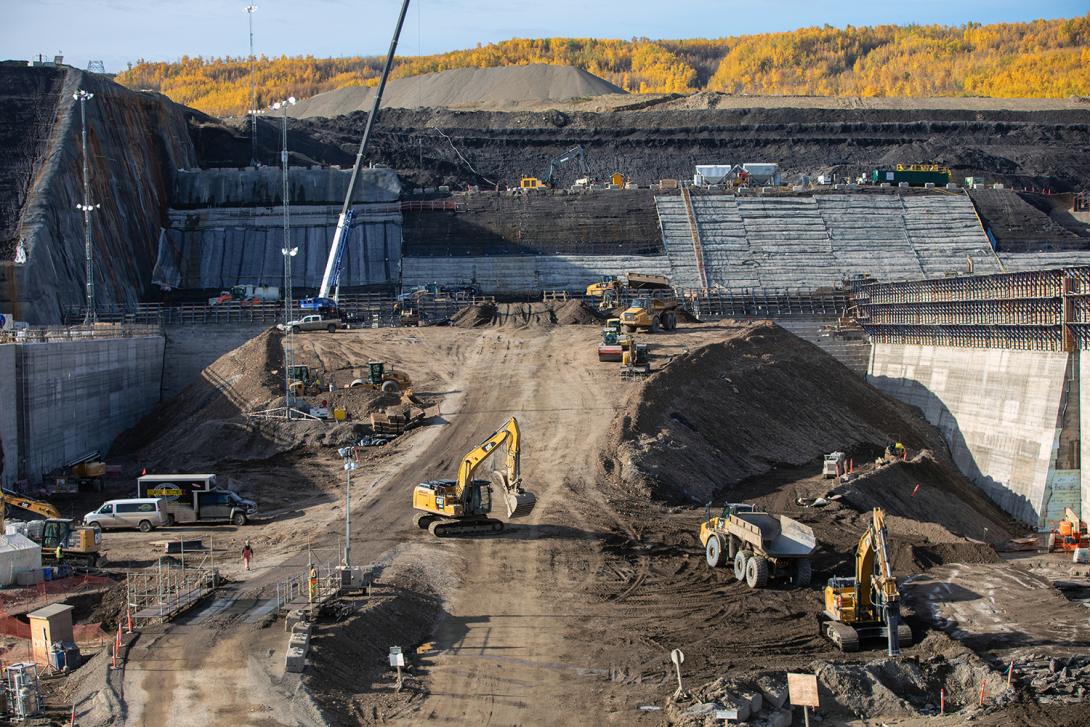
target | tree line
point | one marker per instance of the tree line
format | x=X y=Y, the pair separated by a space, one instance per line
x=1037 y=59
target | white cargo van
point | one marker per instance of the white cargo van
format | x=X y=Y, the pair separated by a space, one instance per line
x=144 y=513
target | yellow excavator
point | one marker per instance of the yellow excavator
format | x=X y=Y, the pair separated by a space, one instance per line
x=461 y=506
x=78 y=544
x=868 y=605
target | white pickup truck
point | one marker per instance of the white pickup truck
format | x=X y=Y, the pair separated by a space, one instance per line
x=314 y=322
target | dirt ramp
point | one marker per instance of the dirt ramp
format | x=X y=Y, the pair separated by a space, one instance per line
x=760 y=399
x=576 y=313
x=474 y=316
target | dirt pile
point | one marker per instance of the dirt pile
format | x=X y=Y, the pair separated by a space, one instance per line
x=238 y=381
x=477 y=88
x=575 y=313
x=759 y=400
x=943 y=498
x=525 y=315
x=474 y=316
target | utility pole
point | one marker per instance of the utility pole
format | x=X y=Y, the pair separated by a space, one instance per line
x=250 y=10
x=289 y=252
x=89 y=314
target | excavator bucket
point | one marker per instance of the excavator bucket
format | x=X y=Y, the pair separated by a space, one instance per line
x=519 y=502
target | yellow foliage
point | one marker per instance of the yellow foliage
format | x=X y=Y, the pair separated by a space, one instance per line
x=1043 y=58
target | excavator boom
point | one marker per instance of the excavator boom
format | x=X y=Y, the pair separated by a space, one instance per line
x=22 y=502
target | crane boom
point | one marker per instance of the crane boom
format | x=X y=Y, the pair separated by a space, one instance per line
x=344 y=220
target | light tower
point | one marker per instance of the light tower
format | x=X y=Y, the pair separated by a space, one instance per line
x=250 y=10
x=289 y=252
x=89 y=314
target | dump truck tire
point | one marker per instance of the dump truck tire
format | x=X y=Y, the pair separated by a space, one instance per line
x=670 y=321
x=391 y=387
x=756 y=572
x=713 y=552
x=803 y=572
x=656 y=324
x=740 y=559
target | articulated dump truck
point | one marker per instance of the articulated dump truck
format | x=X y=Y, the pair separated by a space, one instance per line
x=761 y=546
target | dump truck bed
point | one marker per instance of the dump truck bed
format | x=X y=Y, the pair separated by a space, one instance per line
x=776 y=535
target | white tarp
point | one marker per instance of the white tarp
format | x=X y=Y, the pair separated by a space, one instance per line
x=18 y=553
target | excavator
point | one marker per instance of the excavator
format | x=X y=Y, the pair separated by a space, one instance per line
x=461 y=507
x=868 y=605
x=78 y=544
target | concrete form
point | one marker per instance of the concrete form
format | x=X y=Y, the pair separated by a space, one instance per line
x=997 y=364
x=519 y=274
x=998 y=410
x=72 y=397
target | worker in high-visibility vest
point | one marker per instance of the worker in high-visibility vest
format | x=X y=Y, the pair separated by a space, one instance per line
x=313 y=592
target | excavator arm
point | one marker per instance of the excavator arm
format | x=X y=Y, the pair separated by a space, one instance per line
x=518 y=501
x=875 y=583
x=38 y=507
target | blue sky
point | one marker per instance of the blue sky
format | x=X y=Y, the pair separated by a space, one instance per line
x=121 y=31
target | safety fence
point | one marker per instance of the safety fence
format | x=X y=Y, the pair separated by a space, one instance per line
x=1041 y=310
x=312 y=584
x=172 y=586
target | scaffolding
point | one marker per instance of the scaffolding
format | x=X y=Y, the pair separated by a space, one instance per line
x=172 y=586
x=296 y=592
x=1040 y=310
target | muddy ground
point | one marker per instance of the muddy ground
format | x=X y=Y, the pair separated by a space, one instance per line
x=570 y=617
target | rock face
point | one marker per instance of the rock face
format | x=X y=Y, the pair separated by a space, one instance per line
x=136 y=143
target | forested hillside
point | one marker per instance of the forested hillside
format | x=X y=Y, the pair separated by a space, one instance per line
x=1039 y=59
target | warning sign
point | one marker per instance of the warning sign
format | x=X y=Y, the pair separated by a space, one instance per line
x=802 y=690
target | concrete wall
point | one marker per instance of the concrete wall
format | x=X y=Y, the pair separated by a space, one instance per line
x=516 y=274
x=76 y=396
x=9 y=422
x=998 y=409
x=852 y=350
x=189 y=349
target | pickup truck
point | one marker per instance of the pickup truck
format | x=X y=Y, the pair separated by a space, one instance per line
x=313 y=322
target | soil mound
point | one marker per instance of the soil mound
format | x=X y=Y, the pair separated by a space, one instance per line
x=477 y=88
x=944 y=497
x=473 y=316
x=575 y=313
x=525 y=315
x=737 y=409
x=239 y=380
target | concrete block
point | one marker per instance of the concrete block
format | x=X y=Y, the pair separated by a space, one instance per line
x=295 y=660
x=773 y=690
x=29 y=577
x=756 y=701
x=299 y=641
x=294 y=617
x=303 y=627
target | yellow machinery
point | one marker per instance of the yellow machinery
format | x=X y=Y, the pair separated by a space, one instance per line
x=22 y=502
x=759 y=545
x=79 y=545
x=532 y=183
x=1070 y=533
x=651 y=314
x=381 y=378
x=461 y=507
x=868 y=605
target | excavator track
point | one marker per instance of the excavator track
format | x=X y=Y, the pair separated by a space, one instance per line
x=459 y=528
x=844 y=636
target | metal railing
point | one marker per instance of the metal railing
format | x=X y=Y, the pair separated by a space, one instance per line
x=159 y=594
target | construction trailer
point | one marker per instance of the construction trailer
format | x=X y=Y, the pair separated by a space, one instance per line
x=915 y=175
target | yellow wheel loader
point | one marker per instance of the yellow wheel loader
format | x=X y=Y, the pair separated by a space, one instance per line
x=461 y=506
x=867 y=606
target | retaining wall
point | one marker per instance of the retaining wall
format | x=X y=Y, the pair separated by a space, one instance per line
x=9 y=423
x=1000 y=411
x=521 y=274
x=74 y=397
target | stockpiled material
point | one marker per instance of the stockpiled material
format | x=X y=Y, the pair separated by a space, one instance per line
x=760 y=399
x=524 y=315
x=478 y=88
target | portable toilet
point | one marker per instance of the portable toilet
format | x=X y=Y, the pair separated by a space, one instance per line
x=49 y=625
x=617 y=180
